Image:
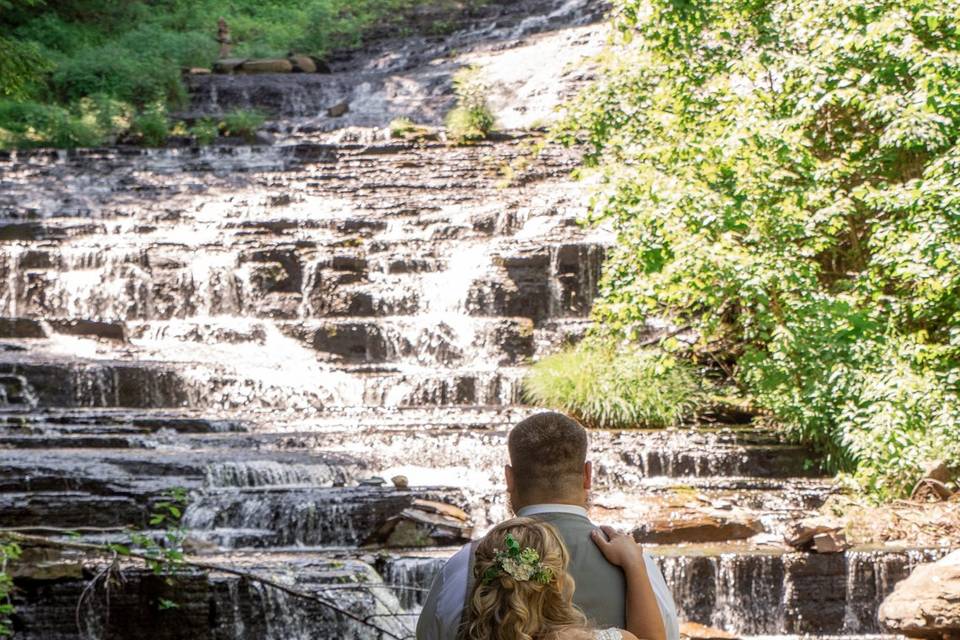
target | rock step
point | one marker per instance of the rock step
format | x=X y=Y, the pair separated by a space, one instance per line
x=40 y=184
x=747 y=591
x=214 y=606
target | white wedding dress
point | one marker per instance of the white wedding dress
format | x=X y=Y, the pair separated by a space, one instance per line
x=609 y=634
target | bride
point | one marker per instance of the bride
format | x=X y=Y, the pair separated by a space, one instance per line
x=522 y=590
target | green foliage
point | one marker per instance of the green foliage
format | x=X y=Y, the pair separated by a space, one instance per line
x=205 y=131
x=31 y=124
x=164 y=557
x=609 y=386
x=21 y=67
x=152 y=126
x=243 y=123
x=8 y=551
x=471 y=119
x=783 y=175
x=133 y=52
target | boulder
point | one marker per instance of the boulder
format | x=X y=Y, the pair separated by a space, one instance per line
x=930 y=490
x=338 y=109
x=926 y=604
x=696 y=631
x=425 y=523
x=936 y=470
x=303 y=64
x=802 y=533
x=400 y=482
x=228 y=65
x=830 y=542
x=696 y=525
x=266 y=65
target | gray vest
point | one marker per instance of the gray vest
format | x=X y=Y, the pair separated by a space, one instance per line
x=600 y=587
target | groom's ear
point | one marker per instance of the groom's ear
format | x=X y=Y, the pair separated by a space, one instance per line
x=587 y=475
x=508 y=474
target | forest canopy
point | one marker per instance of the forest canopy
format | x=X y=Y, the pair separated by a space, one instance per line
x=784 y=177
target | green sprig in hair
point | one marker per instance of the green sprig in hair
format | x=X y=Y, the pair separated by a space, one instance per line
x=520 y=565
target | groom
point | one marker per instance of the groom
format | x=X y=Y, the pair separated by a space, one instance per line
x=549 y=479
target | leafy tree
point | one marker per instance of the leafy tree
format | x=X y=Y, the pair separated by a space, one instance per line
x=784 y=176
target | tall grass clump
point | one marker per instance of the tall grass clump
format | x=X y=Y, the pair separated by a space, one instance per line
x=607 y=386
x=471 y=119
x=243 y=123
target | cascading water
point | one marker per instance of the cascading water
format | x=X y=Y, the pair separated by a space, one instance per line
x=276 y=328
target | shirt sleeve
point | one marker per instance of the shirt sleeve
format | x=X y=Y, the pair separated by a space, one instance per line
x=428 y=624
x=443 y=608
x=668 y=609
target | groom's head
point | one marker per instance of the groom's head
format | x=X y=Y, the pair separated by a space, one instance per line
x=548 y=461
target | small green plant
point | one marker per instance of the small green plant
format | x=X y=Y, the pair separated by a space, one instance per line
x=243 y=123
x=407 y=129
x=152 y=126
x=610 y=386
x=8 y=551
x=205 y=131
x=471 y=119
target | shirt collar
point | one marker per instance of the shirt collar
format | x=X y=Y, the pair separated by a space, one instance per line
x=537 y=509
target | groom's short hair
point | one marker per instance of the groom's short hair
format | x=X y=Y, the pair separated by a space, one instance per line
x=547 y=452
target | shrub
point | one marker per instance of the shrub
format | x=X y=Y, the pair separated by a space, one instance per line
x=205 y=131
x=21 y=66
x=783 y=177
x=471 y=119
x=243 y=123
x=31 y=124
x=152 y=126
x=606 y=386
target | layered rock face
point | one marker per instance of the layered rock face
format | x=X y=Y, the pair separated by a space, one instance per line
x=927 y=604
x=274 y=328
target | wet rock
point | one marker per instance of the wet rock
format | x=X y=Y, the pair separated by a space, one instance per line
x=339 y=109
x=801 y=534
x=278 y=65
x=91 y=328
x=696 y=631
x=425 y=524
x=375 y=481
x=21 y=328
x=690 y=525
x=927 y=604
x=830 y=542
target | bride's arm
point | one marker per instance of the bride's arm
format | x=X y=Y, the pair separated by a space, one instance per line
x=644 y=619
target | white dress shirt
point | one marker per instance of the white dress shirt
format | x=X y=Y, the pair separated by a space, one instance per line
x=440 y=619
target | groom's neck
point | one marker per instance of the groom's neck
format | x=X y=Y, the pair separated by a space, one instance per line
x=529 y=501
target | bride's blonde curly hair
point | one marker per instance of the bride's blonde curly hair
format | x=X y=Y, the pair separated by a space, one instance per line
x=504 y=608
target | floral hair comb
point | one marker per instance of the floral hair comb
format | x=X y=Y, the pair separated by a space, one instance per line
x=520 y=565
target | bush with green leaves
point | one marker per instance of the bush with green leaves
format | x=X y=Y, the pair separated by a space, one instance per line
x=243 y=123
x=8 y=551
x=31 y=124
x=205 y=131
x=784 y=176
x=59 y=53
x=471 y=119
x=610 y=386
x=152 y=126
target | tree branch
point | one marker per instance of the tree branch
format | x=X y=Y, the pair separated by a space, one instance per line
x=199 y=564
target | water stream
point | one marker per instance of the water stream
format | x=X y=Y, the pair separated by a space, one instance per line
x=271 y=326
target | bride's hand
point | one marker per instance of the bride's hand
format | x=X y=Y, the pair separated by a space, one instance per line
x=618 y=548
